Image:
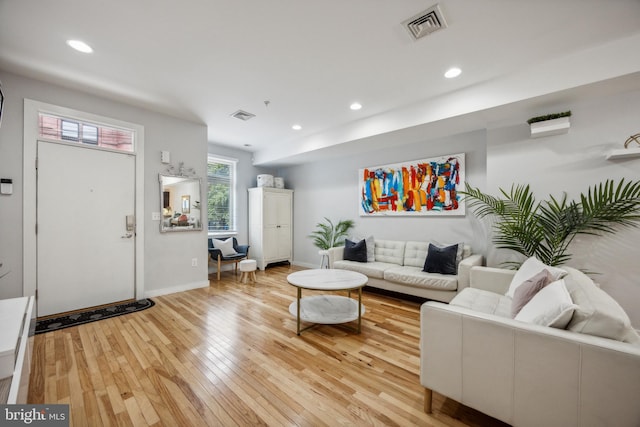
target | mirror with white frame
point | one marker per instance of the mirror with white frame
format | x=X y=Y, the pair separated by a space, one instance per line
x=180 y=203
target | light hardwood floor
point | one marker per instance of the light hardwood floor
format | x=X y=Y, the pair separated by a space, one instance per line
x=228 y=355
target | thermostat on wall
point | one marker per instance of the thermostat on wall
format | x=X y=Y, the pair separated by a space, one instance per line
x=6 y=186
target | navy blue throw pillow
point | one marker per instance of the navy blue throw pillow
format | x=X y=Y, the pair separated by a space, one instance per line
x=441 y=260
x=355 y=251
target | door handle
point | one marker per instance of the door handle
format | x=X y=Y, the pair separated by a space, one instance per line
x=127 y=236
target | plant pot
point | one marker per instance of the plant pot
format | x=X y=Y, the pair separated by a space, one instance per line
x=550 y=127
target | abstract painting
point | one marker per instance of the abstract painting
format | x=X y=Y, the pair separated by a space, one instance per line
x=419 y=187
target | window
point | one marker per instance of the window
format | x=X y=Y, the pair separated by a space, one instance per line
x=221 y=188
x=89 y=134
x=64 y=129
x=70 y=130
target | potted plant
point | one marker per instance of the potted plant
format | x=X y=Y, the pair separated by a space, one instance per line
x=329 y=235
x=545 y=229
x=550 y=124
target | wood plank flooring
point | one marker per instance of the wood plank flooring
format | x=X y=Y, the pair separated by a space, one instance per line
x=228 y=355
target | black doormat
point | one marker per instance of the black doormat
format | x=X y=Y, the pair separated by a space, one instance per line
x=79 y=318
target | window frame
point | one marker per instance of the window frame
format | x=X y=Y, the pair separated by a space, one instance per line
x=77 y=135
x=233 y=163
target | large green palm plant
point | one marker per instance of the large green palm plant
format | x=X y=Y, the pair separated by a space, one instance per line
x=546 y=229
x=329 y=235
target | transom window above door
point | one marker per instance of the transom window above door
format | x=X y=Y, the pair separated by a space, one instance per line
x=71 y=130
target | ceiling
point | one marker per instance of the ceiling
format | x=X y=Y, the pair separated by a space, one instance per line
x=301 y=62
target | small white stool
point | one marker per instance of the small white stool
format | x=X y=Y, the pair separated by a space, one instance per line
x=248 y=270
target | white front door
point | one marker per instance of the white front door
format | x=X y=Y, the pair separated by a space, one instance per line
x=85 y=254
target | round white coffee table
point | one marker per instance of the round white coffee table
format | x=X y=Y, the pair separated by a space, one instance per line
x=327 y=309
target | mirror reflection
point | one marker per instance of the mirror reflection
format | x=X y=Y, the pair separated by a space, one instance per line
x=180 y=203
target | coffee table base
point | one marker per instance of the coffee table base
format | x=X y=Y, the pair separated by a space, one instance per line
x=327 y=310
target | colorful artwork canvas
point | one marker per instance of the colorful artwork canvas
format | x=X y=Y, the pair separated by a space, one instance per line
x=420 y=187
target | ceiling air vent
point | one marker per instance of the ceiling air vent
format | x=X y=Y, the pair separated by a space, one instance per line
x=242 y=115
x=426 y=22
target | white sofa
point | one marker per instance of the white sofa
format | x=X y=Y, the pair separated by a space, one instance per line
x=398 y=267
x=525 y=374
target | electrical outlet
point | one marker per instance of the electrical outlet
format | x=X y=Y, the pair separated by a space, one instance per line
x=194 y=262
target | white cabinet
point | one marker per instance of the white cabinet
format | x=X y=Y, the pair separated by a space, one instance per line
x=270 y=225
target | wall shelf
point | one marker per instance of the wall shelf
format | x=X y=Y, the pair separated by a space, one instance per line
x=550 y=127
x=622 y=153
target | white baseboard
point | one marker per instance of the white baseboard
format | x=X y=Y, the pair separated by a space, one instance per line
x=305 y=264
x=174 y=289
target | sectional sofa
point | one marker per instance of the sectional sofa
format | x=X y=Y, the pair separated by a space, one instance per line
x=397 y=266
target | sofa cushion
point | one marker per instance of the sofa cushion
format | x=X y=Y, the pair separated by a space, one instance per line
x=441 y=260
x=415 y=253
x=355 y=251
x=389 y=251
x=552 y=306
x=597 y=313
x=375 y=269
x=483 y=301
x=528 y=290
x=414 y=276
x=530 y=268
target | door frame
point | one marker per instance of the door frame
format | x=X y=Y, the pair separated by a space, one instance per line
x=32 y=109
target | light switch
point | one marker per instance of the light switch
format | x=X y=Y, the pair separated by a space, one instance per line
x=155 y=216
x=165 y=157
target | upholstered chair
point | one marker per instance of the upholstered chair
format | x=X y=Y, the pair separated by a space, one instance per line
x=224 y=255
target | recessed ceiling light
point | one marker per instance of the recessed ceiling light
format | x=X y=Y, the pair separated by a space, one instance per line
x=452 y=72
x=80 y=46
x=356 y=106
x=296 y=127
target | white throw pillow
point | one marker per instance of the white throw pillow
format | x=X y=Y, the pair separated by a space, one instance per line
x=551 y=306
x=530 y=268
x=597 y=313
x=225 y=246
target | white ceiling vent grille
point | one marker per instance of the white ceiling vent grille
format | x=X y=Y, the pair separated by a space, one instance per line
x=425 y=23
x=242 y=115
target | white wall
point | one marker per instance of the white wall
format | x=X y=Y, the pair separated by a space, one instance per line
x=572 y=163
x=168 y=256
x=330 y=189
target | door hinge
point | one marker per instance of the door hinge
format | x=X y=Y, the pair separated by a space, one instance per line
x=36 y=163
x=36 y=228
